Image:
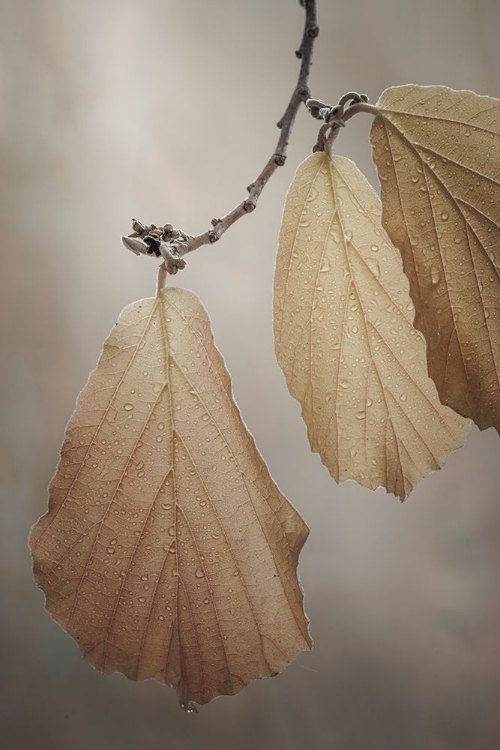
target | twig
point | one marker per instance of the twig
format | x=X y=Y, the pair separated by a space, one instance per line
x=172 y=244
x=335 y=117
x=326 y=141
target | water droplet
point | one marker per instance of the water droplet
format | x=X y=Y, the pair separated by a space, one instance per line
x=142 y=599
x=128 y=407
x=403 y=397
x=435 y=275
x=344 y=384
x=375 y=248
x=445 y=215
x=360 y=415
x=171 y=531
x=467 y=133
x=200 y=573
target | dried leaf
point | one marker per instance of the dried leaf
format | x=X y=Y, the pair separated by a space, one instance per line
x=437 y=153
x=167 y=550
x=345 y=339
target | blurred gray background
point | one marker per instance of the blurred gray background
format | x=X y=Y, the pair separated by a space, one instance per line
x=165 y=111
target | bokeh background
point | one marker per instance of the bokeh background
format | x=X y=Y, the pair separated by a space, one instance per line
x=165 y=111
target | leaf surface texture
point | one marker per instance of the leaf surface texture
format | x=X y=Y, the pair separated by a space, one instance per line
x=344 y=335
x=167 y=550
x=437 y=152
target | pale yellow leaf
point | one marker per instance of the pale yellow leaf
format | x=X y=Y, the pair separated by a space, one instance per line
x=167 y=550
x=437 y=153
x=344 y=335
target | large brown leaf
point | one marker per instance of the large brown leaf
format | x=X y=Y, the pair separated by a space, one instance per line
x=344 y=335
x=167 y=550
x=437 y=153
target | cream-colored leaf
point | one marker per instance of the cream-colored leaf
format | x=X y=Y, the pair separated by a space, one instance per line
x=437 y=153
x=345 y=339
x=167 y=550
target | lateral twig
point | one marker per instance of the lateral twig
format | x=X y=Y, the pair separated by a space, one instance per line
x=335 y=117
x=172 y=244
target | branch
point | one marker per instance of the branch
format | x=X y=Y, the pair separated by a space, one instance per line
x=172 y=244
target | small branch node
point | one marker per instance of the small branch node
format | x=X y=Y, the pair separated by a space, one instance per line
x=172 y=261
x=335 y=117
x=214 y=222
x=212 y=237
x=315 y=107
x=279 y=159
x=249 y=206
